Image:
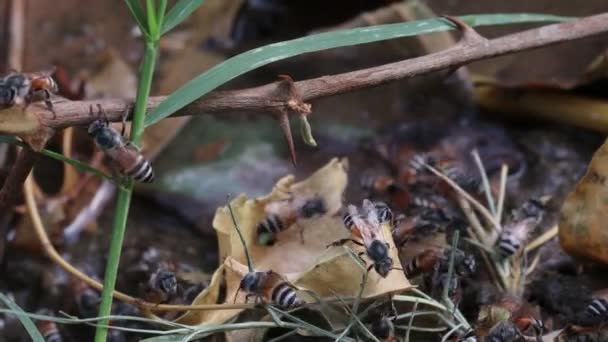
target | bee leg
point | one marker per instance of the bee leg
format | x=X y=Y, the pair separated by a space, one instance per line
x=343 y=241
x=48 y=102
x=124 y=122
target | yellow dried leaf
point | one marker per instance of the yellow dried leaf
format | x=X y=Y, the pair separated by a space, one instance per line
x=582 y=231
x=300 y=255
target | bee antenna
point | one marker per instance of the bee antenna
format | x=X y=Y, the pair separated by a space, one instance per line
x=249 y=262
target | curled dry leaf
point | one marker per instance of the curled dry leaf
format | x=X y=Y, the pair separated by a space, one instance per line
x=300 y=254
x=582 y=223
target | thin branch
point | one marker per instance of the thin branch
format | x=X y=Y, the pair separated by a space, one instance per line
x=268 y=98
x=19 y=172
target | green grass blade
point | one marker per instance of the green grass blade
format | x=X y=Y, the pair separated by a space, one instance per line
x=60 y=157
x=162 y=10
x=27 y=322
x=179 y=12
x=247 y=61
x=138 y=14
x=152 y=20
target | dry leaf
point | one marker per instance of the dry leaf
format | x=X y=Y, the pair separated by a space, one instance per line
x=582 y=223
x=300 y=254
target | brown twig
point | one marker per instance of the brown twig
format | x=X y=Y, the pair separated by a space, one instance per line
x=268 y=98
x=22 y=167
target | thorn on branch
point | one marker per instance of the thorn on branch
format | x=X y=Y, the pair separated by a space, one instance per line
x=283 y=119
x=469 y=35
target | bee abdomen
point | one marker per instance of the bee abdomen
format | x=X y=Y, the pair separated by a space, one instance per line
x=142 y=171
x=348 y=221
x=285 y=296
x=598 y=307
x=508 y=245
x=271 y=224
x=385 y=213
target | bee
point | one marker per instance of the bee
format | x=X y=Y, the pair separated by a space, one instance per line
x=426 y=223
x=367 y=226
x=271 y=286
x=384 y=329
x=515 y=234
x=87 y=299
x=509 y=318
x=598 y=308
x=48 y=329
x=504 y=331
x=449 y=167
x=372 y=182
x=283 y=214
x=28 y=88
x=424 y=262
x=42 y=85
x=162 y=286
x=126 y=155
x=13 y=88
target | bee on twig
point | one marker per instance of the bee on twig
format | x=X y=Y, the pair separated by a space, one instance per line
x=126 y=156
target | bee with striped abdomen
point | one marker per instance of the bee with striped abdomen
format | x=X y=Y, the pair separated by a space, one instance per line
x=265 y=287
x=283 y=214
x=598 y=308
x=514 y=235
x=48 y=329
x=125 y=155
x=367 y=226
x=269 y=286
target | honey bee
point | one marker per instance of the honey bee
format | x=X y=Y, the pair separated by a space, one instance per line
x=515 y=234
x=384 y=329
x=28 y=87
x=271 y=286
x=48 y=329
x=266 y=286
x=162 y=286
x=283 y=214
x=87 y=299
x=367 y=226
x=598 y=308
x=509 y=318
x=424 y=262
x=425 y=223
x=124 y=154
x=449 y=167
x=42 y=85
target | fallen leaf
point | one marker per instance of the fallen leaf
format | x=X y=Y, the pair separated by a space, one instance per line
x=582 y=223
x=301 y=254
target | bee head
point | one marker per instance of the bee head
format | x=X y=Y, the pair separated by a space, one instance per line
x=469 y=265
x=103 y=134
x=533 y=208
x=383 y=328
x=312 y=207
x=166 y=282
x=19 y=82
x=384 y=266
x=250 y=282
